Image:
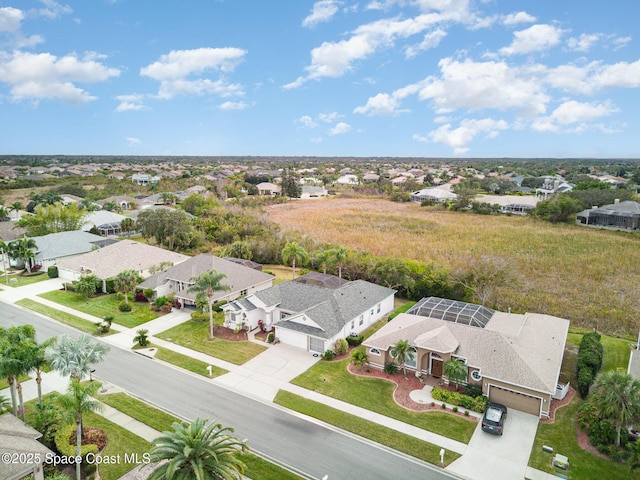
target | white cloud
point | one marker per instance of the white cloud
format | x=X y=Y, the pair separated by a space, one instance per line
x=592 y=77
x=10 y=19
x=519 y=17
x=381 y=104
x=483 y=85
x=179 y=64
x=459 y=138
x=307 y=121
x=133 y=142
x=340 y=128
x=53 y=9
x=329 y=117
x=322 y=11
x=533 y=39
x=430 y=40
x=584 y=42
x=130 y=103
x=621 y=42
x=574 y=117
x=169 y=89
x=44 y=76
x=233 y=106
x=334 y=59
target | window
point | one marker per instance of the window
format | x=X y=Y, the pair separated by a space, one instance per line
x=353 y=324
x=361 y=319
x=372 y=311
x=378 y=308
x=374 y=351
x=475 y=375
x=243 y=292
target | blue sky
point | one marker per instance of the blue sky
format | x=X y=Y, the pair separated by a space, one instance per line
x=427 y=78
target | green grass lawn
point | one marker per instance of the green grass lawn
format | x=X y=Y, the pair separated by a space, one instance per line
x=102 y=305
x=375 y=394
x=561 y=435
x=21 y=281
x=194 y=335
x=186 y=362
x=63 y=317
x=373 y=431
x=4 y=384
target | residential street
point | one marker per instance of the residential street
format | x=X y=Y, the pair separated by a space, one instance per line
x=308 y=447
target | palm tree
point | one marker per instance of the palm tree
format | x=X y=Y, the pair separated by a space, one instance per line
x=16 y=207
x=322 y=258
x=75 y=356
x=4 y=252
x=87 y=286
x=126 y=281
x=37 y=360
x=359 y=358
x=618 y=398
x=142 y=337
x=198 y=451
x=12 y=359
x=340 y=254
x=76 y=402
x=456 y=371
x=208 y=283
x=294 y=253
x=5 y=404
x=127 y=225
x=22 y=249
x=402 y=352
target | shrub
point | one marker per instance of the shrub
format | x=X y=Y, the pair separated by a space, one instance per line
x=341 y=346
x=110 y=285
x=328 y=355
x=140 y=296
x=589 y=361
x=455 y=409
x=199 y=316
x=271 y=337
x=466 y=413
x=444 y=406
x=472 y=390
x=477 y=404
x=390 y=368
x=355 y=340
x=142 y=337
x=52 y=272
x=124 y=307
x=108 y=319
x=166 y=308
x=161 y=301
x=217 y=306
x=66 y=435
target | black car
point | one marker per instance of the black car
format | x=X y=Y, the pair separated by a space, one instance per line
x=494 y=418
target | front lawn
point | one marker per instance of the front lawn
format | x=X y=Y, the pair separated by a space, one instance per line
x=63 y=317
x=375 y=394
x=103 y=305
x=194 y=335
x=561 y=435
x=22 y=280
x=365 y=428
x=188 y=363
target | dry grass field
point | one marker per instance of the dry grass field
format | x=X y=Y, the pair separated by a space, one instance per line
x=591 y=277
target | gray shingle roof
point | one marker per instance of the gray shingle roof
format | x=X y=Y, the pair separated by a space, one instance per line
x=64 y=244
x=331 y=309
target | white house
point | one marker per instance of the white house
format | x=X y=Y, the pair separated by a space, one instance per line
x=312 y=316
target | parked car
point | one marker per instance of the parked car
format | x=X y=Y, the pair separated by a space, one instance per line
x=493 y=419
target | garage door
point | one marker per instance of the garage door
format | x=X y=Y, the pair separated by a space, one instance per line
x=515 y=400
x=316 y=345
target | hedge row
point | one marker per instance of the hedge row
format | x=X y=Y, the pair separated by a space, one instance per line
x=589 y=361
x=62 y=439
x=477 y=404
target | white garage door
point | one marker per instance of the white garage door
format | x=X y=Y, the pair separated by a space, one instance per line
x=515 y=400
x=316 y=345
x=292 y=338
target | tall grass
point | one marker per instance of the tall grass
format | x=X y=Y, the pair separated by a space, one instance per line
x=588 y=276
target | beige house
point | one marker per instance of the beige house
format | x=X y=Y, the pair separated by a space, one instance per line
x=109 y=261
x=177 y=280
x=516 y=359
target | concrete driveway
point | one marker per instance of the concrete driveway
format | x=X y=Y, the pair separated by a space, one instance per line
x=491 y=456
x=265 y=374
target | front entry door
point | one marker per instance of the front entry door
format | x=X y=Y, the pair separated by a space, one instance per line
x=436 y=367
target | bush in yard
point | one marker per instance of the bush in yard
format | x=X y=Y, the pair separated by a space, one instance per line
x=62 y=439
x=341 y=347
x=477 y=404
x=390 y=368
x=124 y=307
x=217 y=307
x=585 y=379
x=328 y=355
x=589 y=361
x=271 y=337
x=110 y=285
x=52 y=272
x=142 y=337
x=473 y=390
x=140 y=296
x=161 y=301
x=199 y=316
x=355 y=340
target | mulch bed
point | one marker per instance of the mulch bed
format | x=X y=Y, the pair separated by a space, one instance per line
x=556 y=404
x=228 y=334
x=404 y=386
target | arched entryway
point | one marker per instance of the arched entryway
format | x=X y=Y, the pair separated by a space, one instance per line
x=436 y=365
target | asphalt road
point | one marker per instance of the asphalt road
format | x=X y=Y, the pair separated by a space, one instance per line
x=312 y=449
